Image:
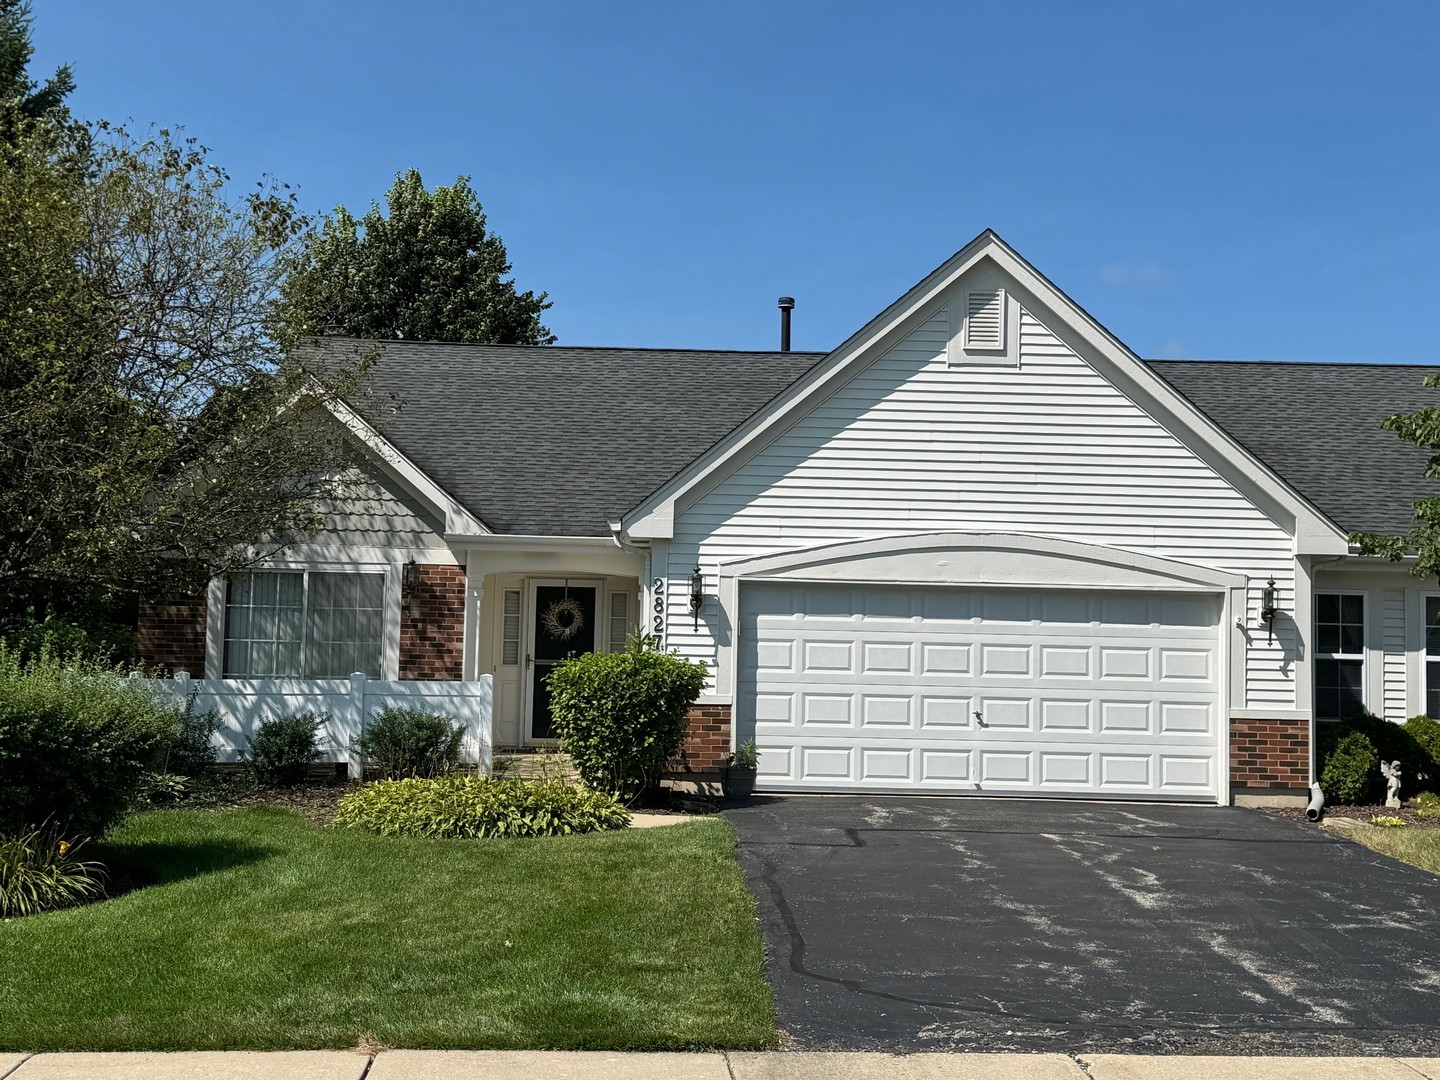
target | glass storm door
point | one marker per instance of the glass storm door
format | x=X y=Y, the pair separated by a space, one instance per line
x=564 y=626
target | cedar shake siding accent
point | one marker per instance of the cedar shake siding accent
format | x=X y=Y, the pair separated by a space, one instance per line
x=170 y=634
x=1269 y=757
x=432 y=625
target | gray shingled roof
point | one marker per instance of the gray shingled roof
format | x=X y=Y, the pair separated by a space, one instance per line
x=559 y=441
x=1317 y=426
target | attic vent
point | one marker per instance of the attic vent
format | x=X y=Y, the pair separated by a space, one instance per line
x=985 y=319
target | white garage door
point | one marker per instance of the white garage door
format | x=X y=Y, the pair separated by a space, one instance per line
x=906 y=688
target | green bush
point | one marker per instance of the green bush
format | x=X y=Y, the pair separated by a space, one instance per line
x=622 y=716
x=1427 y=805
x=1351 y=770
x=476 y=807
x=283 y=749
x=1426 y=733
x=66 y=640
x=1391 y=742
x=40 y=871
x=411 y=742
x=192 y=749
x=76 y=740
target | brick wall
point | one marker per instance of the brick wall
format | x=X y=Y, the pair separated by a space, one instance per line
x=1269 y=756
x=170 y=634
x=432 y=625
x=707 y=743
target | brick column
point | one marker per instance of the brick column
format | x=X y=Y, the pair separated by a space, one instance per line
x=707 y=742
x=432 y=625
x=1269 y=760
x=170 y=634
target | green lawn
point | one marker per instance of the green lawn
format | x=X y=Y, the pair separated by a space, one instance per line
x=1418 y=847
x=263 y=931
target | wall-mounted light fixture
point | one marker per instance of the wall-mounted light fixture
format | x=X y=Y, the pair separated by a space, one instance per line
x=1268 y=610
x=409 y=584
x=697 y=594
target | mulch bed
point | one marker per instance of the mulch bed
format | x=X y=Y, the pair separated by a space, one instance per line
x=1361 y=814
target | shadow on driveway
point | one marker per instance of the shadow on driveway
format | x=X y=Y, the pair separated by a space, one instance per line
x=984 y=924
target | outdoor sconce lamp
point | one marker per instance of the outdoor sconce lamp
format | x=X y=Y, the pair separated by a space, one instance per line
x=697 y=594
x=1268 y=610
x=409 y=582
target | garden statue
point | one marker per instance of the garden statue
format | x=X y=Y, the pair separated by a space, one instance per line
x=1391 y=772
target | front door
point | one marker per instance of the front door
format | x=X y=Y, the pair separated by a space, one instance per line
x=564 y=625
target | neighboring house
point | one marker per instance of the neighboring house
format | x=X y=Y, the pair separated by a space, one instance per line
x=979 y=547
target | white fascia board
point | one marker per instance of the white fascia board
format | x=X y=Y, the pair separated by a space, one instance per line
x=534 y=543
x=458 y=520
x=1313 y=532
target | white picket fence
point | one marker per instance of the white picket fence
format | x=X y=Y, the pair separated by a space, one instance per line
x=241 y=704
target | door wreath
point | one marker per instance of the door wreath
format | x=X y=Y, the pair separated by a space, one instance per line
x=563 y=619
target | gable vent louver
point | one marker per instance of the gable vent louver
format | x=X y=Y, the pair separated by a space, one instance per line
x=985 y=320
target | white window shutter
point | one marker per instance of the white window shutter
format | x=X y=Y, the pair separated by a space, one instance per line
x=985 y=319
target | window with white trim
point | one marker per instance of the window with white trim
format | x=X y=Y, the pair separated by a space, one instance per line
x=304 y=623
x=1432 y=656
x=1339 y=655
x=619 y=620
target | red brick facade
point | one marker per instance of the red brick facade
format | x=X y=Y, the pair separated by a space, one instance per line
x=1269 y=757
x=170 y=634
x=432 y=624
x=707 y=743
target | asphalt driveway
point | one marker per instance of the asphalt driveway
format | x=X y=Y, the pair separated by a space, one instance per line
x=984 y=924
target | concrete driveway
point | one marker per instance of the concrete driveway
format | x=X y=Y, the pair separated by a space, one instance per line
x=982 y=924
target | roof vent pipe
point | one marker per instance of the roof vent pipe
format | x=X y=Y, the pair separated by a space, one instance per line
x=787 y=305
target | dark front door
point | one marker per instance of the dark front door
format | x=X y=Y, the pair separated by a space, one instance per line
x=564 y=626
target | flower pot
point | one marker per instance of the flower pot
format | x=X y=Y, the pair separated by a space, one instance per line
x=739 y=783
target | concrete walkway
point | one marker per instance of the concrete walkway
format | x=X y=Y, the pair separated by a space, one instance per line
x=506 y=1065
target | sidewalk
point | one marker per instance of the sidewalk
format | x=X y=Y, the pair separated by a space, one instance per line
x=506 y=1065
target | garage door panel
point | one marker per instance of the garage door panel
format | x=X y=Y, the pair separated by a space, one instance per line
x=888 y=688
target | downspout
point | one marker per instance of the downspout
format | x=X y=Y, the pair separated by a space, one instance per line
x=643 y=550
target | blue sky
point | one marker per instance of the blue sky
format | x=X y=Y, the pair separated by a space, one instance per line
x=1209 y=179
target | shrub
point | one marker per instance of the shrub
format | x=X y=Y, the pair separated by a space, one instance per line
x=40 y=871
x=411 y=742
x=1391 y=742
x=76 y=739
x=1426 y=733
x=1427 y=805
x=1350 y=769
x=622 y=716
x=475 y=807
x=65 y=640
x=192 y=749
x=283 y=749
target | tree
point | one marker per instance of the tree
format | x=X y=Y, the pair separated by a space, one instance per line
x=1422 y=428
x=429 y=270
x=22 y=100
x=153 y=429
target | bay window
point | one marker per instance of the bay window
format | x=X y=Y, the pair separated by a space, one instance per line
x=1339 y=655
x=304 y=623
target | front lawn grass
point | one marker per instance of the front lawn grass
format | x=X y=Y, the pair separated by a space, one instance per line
x=1418 y=847
x=259 y=930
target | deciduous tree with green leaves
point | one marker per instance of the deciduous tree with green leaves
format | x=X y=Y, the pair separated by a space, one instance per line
x=1422 y=428
x=425 y=268
x=154 y=430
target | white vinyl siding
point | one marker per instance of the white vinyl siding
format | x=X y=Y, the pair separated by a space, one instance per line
x=303 y=623
x=1048 y=447
x=1392 y=644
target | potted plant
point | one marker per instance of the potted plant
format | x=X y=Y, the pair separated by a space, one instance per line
x=740 y=771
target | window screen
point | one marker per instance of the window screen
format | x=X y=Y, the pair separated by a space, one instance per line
x=619 y=620
x=510 y=634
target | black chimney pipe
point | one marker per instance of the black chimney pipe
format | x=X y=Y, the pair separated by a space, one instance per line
x=787 y=305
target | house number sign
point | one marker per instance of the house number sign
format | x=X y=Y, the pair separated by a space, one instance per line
x=658 y=587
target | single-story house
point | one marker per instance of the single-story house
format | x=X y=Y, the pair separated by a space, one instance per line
x=981 y=546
